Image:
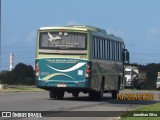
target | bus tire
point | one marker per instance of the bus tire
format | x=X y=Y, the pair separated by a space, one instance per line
x=119 y=83
x=114 y=94
x=142 y=86
x=52 y=94
x=132 y=85
x=60 y=94
x=75 y=94
x=91 y=95
x=100 y=93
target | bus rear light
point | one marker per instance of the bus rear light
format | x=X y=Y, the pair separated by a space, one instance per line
x=87 y=66
x=37 y=70
x=86 y=75
x=88 y=71
x=37 y=74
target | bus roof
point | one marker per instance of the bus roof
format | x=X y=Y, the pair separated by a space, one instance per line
x=65 y=27
x=94 y=30
x=76 y=27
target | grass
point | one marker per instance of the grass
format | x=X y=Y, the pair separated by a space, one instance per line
x=150 y=108
x=21 y=89
x=133 y=90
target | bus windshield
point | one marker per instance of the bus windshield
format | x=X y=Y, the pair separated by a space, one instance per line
x=63 y=41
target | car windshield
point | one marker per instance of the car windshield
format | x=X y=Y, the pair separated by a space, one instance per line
x=127 y=72
x=158 y=79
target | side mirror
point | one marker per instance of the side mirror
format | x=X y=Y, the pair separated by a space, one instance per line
x=125 y=56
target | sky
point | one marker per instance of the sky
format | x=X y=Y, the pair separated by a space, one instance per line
x=137 y=22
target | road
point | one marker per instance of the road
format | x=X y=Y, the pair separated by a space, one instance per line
x=40 y=101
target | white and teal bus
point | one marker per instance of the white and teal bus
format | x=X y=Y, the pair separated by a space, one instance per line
x=78 y=59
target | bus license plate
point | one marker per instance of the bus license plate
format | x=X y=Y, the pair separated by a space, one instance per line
x=61 y=85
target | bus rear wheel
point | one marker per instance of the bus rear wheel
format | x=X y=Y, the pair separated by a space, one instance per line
x=75 y=94
x=97 y=95
x=60 y=94
x=100 y=93
x=52 y=94
x=91 y=95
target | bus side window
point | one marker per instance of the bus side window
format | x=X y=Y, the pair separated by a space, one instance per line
x=93 y=47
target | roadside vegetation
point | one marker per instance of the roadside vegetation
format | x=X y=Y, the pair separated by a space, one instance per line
x=150 y=108
x=22 y=74
x=20 y=88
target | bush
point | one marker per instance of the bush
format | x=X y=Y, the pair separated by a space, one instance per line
x=21 y=74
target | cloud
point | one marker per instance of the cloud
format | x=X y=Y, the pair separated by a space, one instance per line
x=153 y=34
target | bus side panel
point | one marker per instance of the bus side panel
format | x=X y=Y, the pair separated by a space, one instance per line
x=110 y=70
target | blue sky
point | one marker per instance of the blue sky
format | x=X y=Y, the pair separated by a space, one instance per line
x=136 y=21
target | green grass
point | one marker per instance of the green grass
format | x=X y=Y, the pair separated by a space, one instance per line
x=133 y=90
x=21 y=89
x=150 y=108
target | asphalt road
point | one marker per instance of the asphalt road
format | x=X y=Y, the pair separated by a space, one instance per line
x=40 y=101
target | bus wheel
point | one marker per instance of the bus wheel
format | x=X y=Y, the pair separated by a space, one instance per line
x=75 y=94
x=60 y=94
x=91 y=95
x=142 y=86
x=100 y=93
x=114 y=94
x=52 y=94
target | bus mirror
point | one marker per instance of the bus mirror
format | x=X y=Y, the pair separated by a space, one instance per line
x=125 y=56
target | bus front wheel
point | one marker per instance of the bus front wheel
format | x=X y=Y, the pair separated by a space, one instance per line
x=114 y=94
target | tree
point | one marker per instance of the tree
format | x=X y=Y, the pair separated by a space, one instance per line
x=24 y=73
x=21 y=74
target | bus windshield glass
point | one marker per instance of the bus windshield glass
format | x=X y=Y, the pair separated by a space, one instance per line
x=63 y=41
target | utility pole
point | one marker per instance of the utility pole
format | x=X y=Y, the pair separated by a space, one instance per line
x=0 y=36
x=11 y=61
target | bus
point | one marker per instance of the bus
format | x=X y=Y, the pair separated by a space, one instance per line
x=78 y=59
